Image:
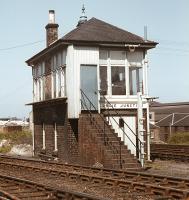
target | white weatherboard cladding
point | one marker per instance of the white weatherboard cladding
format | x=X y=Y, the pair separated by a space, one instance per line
x=77 y=56
x=70 y=81
x=87 y=55
x=131 y=122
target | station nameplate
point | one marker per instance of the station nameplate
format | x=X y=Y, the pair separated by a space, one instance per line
x=123 y=105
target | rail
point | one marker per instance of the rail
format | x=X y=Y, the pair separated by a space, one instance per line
x=175 y=188
x=35 y=190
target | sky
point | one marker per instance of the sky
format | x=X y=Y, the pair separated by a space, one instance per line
x=23 y=34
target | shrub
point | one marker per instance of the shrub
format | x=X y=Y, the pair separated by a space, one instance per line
x=17 y=137
x=179 y=138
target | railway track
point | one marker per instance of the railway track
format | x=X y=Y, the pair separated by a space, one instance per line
x=12 y=188
x=120 y=183
x=170 y=152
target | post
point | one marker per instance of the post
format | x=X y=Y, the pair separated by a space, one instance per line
x=43 y=128
x=55 y=138
x=33 y=132
x=148 y=132
x=104 y=133
x=140 y=128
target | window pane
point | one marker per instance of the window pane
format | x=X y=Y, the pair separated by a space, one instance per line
x=118 y=80
x=59 y=83
x=103 y=54
x=103 y=80
x=54 y=84
x=135 y=80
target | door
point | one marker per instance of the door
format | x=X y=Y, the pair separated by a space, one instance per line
x=89 y=86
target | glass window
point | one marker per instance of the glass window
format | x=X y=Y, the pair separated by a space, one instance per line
x=54 y=84
x=135 y=80
x=118 y=80
x=103 y=56
x=103 y=80
x=117 y=57
x=59 y=83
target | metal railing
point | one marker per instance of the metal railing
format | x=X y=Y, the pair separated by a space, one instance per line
x=109 y=107
x=89 y=107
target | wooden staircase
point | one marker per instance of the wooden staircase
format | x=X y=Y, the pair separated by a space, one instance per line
x=115 y=153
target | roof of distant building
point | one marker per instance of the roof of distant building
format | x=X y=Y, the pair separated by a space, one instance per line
x=174 y=114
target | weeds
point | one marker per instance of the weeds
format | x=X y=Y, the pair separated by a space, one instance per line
x=14 y=138
x=179 y=138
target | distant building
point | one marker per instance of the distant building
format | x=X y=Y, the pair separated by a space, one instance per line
x=96 y=68
x=169 y=118
x=12 y=124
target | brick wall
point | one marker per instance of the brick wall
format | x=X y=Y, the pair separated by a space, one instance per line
x=49 y=114
x=49 y=138
x=89 y=149
x=51 y=33
x=38 y=138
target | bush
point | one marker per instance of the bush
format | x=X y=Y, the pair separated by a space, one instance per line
x=5 y=149
x=18 y=137
x=179 y=138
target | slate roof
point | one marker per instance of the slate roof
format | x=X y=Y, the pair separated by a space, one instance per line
x=95 y=30
x=168 y=108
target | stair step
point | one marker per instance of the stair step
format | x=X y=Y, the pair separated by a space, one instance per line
x=112 y=147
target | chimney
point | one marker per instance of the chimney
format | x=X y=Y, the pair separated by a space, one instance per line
x=51 y=29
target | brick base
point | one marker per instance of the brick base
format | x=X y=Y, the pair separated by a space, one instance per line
x=47 y=115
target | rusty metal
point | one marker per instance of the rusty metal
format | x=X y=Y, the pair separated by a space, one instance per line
x=17 y=189
x=164 y=186
x=170 y=152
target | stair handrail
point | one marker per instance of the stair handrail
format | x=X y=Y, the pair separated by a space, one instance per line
x=83 y=103
x=140 y=142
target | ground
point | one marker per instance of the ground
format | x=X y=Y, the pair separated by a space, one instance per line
x=169 y=168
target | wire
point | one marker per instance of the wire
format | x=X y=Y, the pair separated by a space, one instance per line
x=15 y=90
x=167 y=53
x=170 y=42
x=157 y=48
x=173 y=49
x=22 y=45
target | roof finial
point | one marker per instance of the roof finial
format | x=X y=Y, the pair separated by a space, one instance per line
x=83 y=9
x=83 y=17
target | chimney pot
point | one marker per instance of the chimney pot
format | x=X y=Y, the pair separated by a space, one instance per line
x=51 y=29
x=51 y=17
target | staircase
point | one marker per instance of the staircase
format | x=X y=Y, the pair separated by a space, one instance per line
x=113 y=152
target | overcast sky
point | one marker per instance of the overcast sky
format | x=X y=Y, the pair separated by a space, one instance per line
x=23 y=35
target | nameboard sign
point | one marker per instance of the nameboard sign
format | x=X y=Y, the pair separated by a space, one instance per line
x=123 y=105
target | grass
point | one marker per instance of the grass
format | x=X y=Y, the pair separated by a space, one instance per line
x=14 y=138
x=179 y=138
x=5 y=149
